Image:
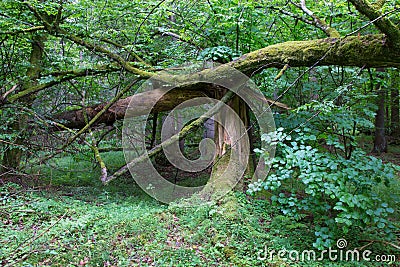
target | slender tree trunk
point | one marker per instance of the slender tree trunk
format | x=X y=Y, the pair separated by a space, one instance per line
x=380 y=142
x=154 y=130
x=394 y=108
x=13 y=155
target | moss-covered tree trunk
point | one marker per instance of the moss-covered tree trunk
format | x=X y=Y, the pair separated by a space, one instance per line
x=13 y=154
x=363 y=51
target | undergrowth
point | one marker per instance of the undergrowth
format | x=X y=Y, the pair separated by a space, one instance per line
x=122 y=226
x=70 y=219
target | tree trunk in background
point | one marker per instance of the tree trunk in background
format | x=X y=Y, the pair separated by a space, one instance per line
x=179 y=125
x=394 y=108
x=209 y=129
x=13 y=155
x=380 y=142
x=154 y=130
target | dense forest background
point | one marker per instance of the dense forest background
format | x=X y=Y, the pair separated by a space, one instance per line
x=325 y=71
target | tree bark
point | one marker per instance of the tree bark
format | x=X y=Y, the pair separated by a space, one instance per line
x=229 y=147
x=380 y=142
x=12 y=156
x=143 y=103
x=394 y=107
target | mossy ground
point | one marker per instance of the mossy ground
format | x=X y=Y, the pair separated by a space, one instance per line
x=70 y=219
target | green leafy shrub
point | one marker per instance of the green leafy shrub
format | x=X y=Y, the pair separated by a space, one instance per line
x=221 y=54
x=338 y=193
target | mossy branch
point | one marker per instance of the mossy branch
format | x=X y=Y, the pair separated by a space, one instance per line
x=56 y=30
x=281 y=72
x=130 y=51
x=97 y=48
x=384 y=24
x=369 y=50
x=62 y=77
x=94 y=148
x=27 y=30
x=99 y=160
x=89 y=71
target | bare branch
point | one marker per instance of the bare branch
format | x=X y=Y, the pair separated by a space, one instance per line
x=178 y=37
x=97 y=48
x=320 y=23
x=371 y=22
x=2 y=98
x=147 y=16
x=290 y=14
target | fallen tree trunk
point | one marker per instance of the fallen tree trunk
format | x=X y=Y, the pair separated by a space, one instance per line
x=142 y=102
x=367 y=51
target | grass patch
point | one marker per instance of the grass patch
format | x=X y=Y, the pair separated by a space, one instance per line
x=86 y=226
x=75 y=221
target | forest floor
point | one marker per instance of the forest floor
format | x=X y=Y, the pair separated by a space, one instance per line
x=70 y=219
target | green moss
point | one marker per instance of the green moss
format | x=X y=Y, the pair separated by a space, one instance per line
x=332 y=32
x=372 y=50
